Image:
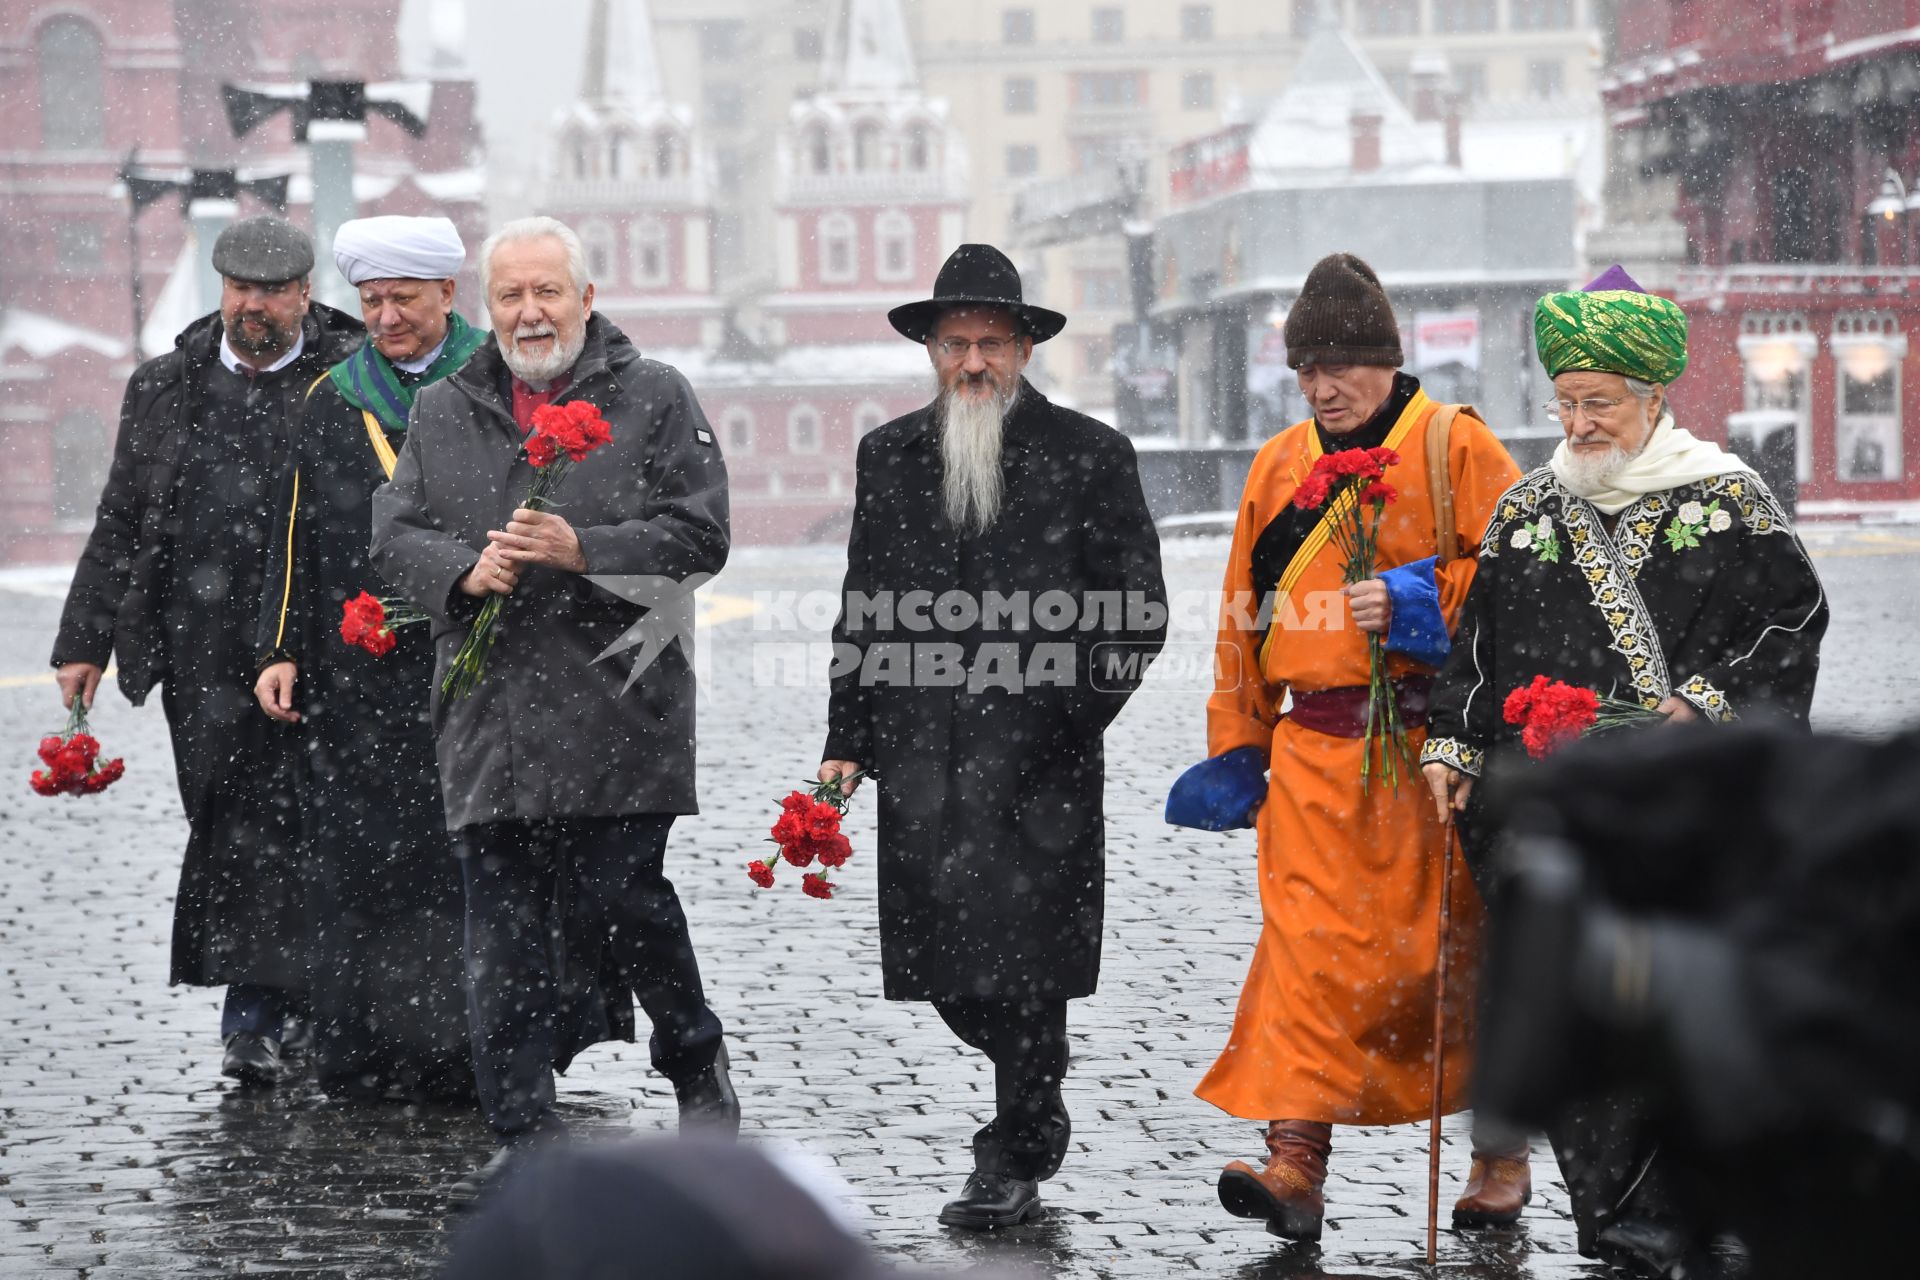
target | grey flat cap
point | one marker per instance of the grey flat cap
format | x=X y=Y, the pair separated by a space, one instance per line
x=263 y=249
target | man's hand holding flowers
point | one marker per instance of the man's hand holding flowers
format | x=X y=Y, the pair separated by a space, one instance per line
x=539 y=537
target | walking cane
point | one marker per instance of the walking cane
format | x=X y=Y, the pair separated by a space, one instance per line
x=1439 y=1045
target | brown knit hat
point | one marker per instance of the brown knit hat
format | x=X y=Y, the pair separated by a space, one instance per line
x=1342 y=317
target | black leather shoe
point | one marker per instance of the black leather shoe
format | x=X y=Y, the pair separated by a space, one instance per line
x=252 y=1059
x=468 y=1189
x=708 y=1102
x=993 y=1200
x=1643 y=1248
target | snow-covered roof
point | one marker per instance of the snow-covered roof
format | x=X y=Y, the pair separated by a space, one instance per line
x=38 y=336
x=1309 y=125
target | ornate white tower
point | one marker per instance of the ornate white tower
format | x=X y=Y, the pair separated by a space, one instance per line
x=627 y=172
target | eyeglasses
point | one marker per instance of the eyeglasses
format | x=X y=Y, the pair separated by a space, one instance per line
x=990 y=348
x=1593 y=408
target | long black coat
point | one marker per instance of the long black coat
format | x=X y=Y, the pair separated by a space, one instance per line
x=992 y=827
x=237 y=914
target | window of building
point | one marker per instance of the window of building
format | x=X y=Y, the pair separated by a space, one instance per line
x=721 y=39
x=1470 y=79
x=1019 y=95
x=1541 y=15
x=617 y=151
x=1098 y=153
x=580 y=152
x=1306 y=16
x=669 y=153
x=1016 y=26
x=1777 y=351
x=803 y=429
x=893 y=247
x=736 y=429
x=1023 y=160
x=1196 y=22
x=839 y=252
x=809 y=44
x=596 y=237
x=727 y=168
x=80 y=453
x=1459 y=16
x=726 y=103
x=1868 y=348
x=1100 y=290
x=1546 y=78
x=919 y=147
x=1196 y=90
x=73 y=95
x=650 y=248
x=1109 y=88
x=868 y=416
x=1109 y=24
x=79 y=247
x=818 y=146
x=1389 y=17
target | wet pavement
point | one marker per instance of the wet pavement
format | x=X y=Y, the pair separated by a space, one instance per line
x=124 y=1153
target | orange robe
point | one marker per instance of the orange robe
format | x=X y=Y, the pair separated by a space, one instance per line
x=1335 y=1022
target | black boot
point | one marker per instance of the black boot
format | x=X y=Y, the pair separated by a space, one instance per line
x=252 y=1059
x=708 y=1102
x=993 y=1200
x=468 y=1189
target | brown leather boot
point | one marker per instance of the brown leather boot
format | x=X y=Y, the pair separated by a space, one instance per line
x=1287 y=1192
x=1498 y=1188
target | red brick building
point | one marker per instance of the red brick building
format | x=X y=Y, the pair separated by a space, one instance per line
x=869 y=201
x=1792 y=132
x=85 y=82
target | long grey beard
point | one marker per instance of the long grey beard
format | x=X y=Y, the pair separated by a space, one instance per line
x=1586 y=474
x=971 y=431
x=538 y=373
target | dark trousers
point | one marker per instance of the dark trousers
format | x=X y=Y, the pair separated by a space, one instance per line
x=262 y=1010
x=607 y=875
x=1026 y=1040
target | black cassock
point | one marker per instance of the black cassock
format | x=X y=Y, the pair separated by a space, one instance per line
x=1702 y=592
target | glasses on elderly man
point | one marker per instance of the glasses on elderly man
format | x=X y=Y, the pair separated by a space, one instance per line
x=1592 y=407
x=956 y=348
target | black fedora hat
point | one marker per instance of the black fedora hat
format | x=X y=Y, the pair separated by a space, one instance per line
x=975 y=275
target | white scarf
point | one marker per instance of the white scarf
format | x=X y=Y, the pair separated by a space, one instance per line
x=1673 y=456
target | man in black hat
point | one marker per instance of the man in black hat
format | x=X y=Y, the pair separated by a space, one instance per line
x=169 y=584
x=982 y=720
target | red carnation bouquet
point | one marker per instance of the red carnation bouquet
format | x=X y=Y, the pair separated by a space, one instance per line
x=561 y=435
x=367 y=622
x=808 y=831
x=1352 y=480
x=1552 y=713
x=74 y=766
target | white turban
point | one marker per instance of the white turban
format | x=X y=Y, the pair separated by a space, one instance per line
x=395 y=247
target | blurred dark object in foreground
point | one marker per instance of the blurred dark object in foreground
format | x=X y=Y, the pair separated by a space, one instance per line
x=672 y=1209
x=1704 y=982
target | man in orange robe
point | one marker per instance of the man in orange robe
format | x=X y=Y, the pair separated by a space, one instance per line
x=1335 y=1023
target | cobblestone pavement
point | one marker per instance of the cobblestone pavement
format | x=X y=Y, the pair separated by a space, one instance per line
x=123 y=1152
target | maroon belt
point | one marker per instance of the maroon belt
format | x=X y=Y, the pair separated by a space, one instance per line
x=1342 y=713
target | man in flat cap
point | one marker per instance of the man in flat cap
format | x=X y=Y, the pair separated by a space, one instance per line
x=169 y=586
x=1335 y=1022
x=983 y=731
x=383 y=889
x=1641 y=563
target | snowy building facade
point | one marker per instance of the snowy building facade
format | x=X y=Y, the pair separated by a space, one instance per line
x=868 y=200
x=1790 y=134
x=84 y=86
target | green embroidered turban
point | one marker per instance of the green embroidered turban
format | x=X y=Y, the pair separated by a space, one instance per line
x=1624 y=331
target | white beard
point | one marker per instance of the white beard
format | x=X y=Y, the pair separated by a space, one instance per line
x=1587 y=473
x=538 y=373
x=971 y=430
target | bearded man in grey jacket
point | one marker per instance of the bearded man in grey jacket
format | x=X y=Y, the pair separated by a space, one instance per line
x=561 y=781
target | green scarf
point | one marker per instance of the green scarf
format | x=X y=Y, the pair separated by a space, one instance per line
x=367 y=380
x=1619 y=331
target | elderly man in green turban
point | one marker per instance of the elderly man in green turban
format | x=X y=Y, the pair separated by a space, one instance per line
x=1646 y=565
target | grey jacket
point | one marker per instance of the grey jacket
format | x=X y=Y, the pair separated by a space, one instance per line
x=549 y=733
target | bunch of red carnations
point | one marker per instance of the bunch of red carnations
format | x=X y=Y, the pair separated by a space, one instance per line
x=808 y=831
x=1353 y=482
x=367 y=622
x=74 y=766
x=1553 y=713
x=560 y=435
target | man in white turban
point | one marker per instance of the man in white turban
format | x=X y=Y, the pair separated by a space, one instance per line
x=383 y=891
